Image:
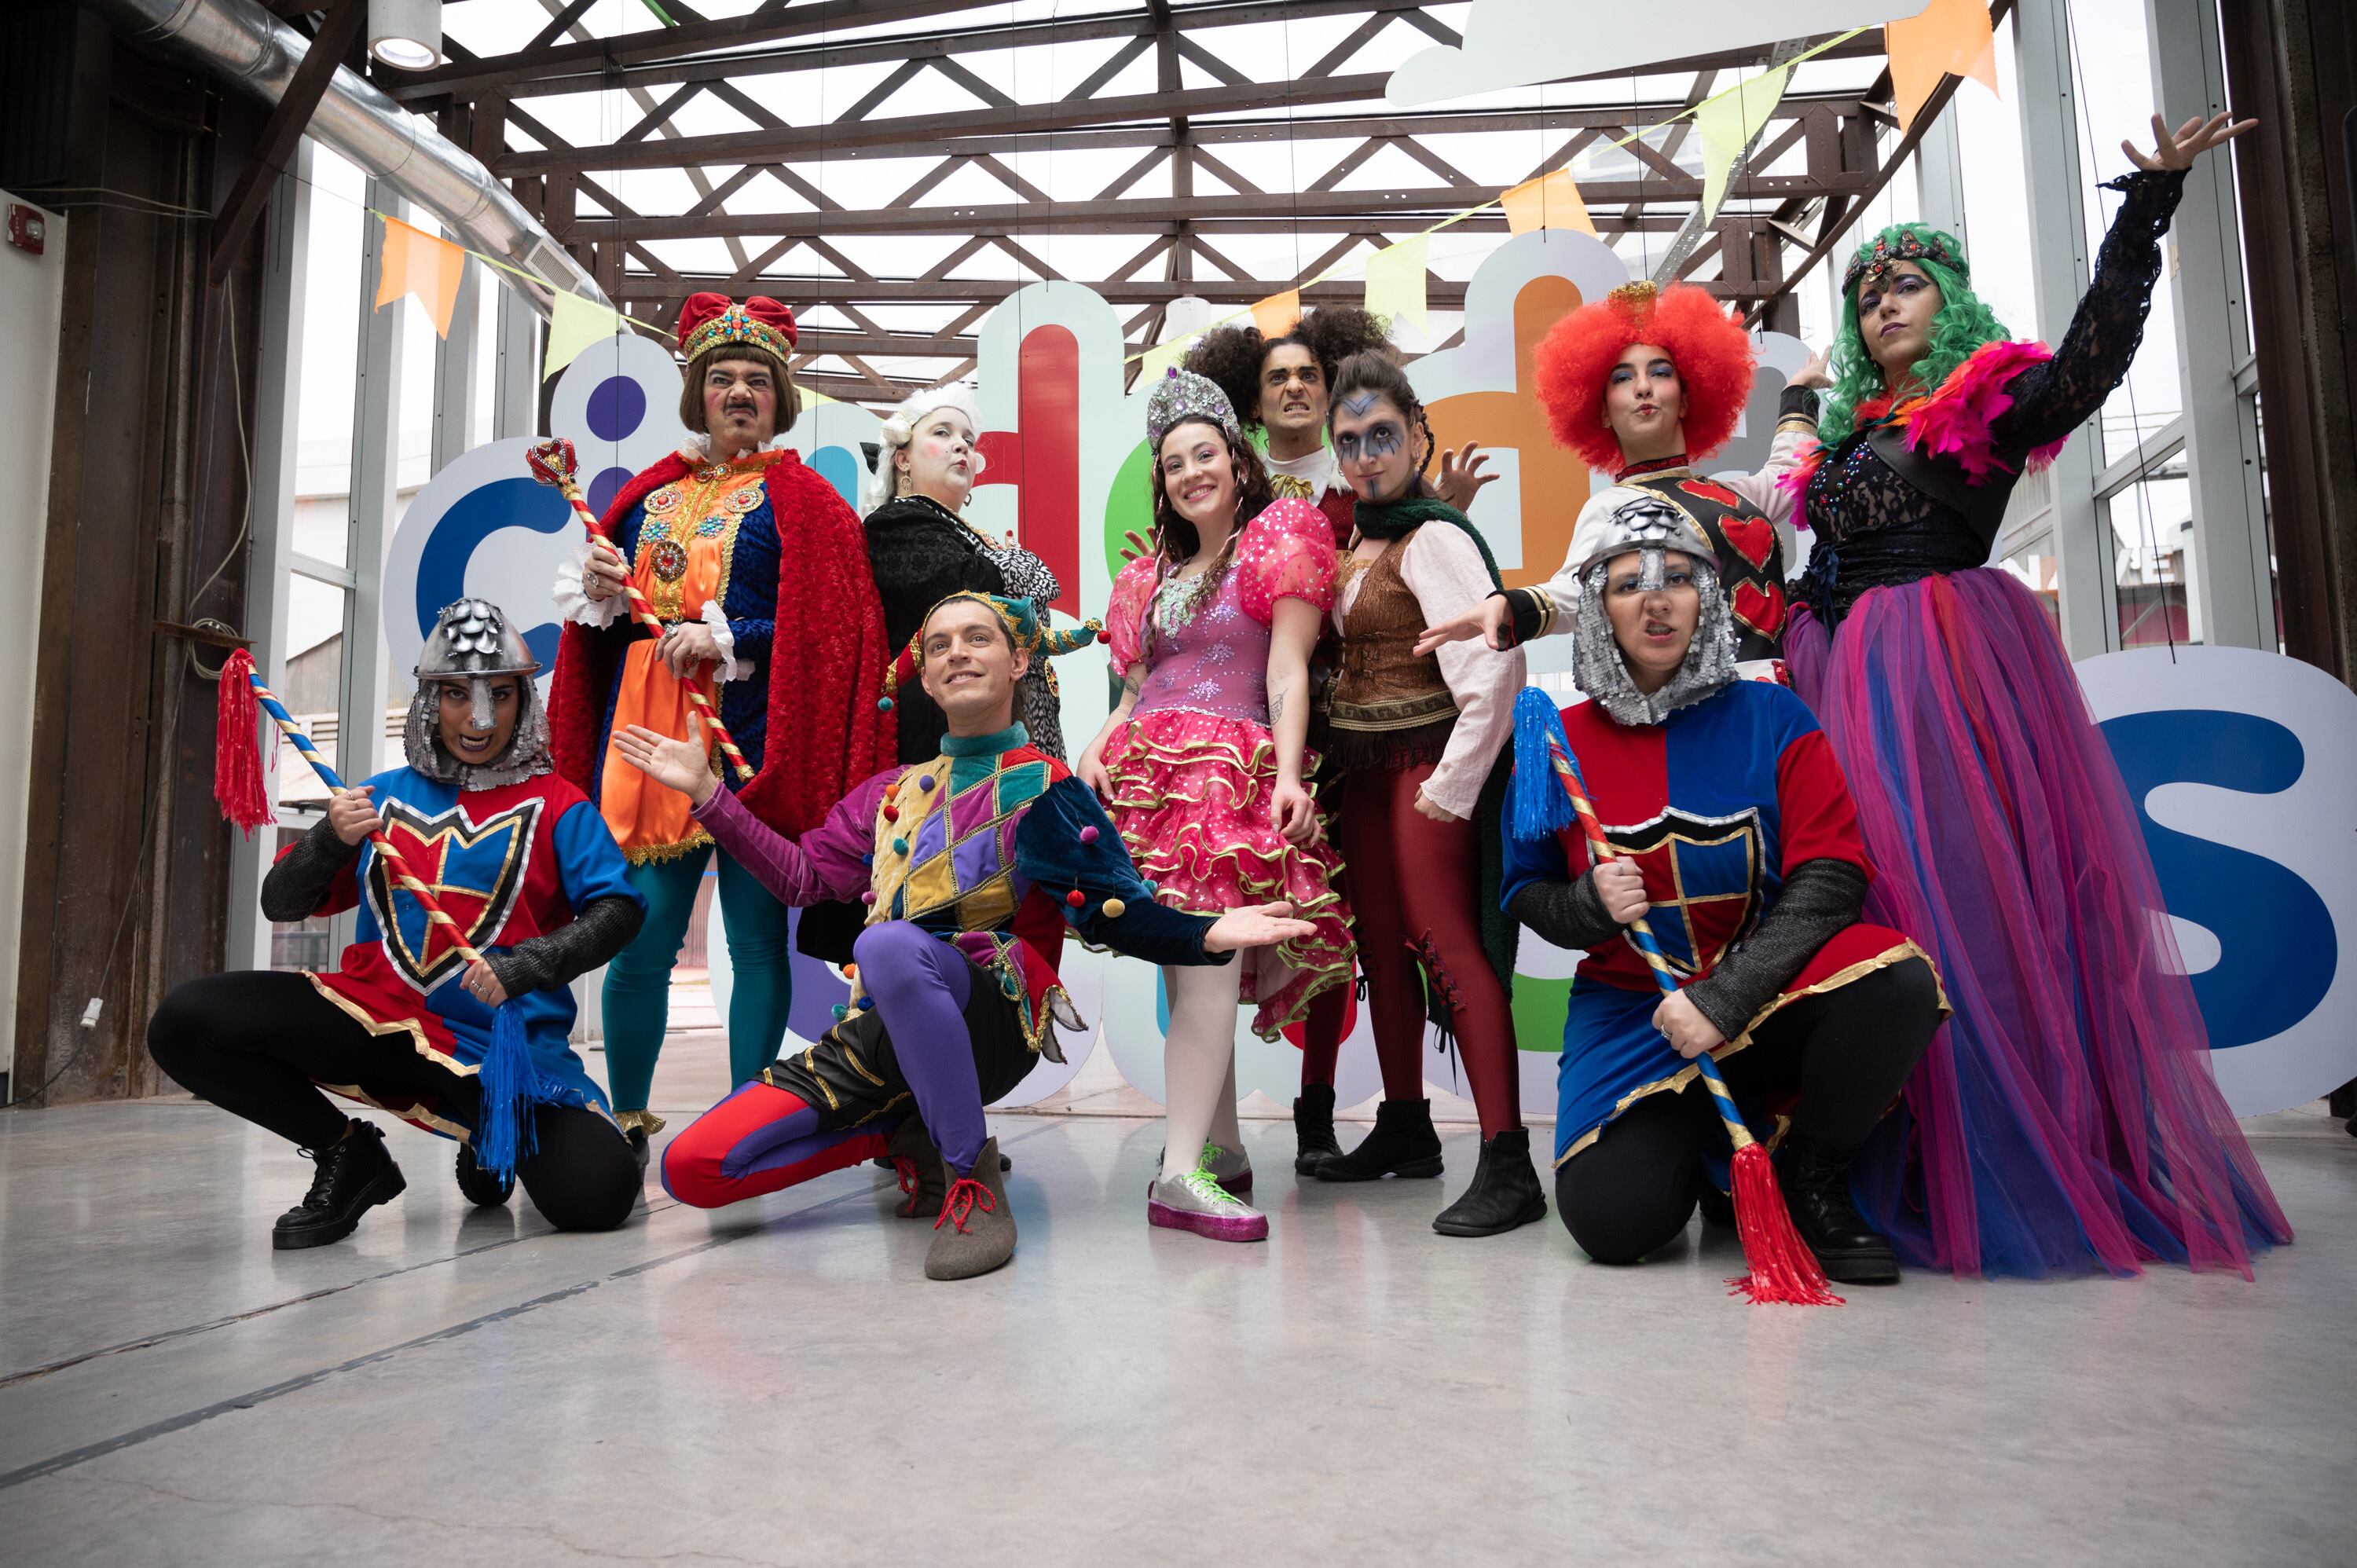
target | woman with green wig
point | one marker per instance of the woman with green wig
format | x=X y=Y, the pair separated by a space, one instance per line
x=2065 y=1120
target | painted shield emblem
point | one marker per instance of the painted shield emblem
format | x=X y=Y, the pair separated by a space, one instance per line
x=475 y=870
x=1702 y=875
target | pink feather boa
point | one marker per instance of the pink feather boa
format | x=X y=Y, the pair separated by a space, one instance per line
x=1954 y=421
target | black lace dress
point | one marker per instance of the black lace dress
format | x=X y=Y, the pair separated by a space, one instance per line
x=1884 y=515
x=2065 y=1120
x=921 y=552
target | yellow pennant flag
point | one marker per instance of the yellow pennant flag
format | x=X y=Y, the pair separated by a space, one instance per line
x=1948 y=37
x=1395 y=280
x=1155 y=361
x=417 y=263
x=1276 y=314
x=1550 y=201
x=1726 y=124
x=574 y=323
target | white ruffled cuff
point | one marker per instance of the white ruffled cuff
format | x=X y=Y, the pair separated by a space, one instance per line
x=717 y=624
x=573 y=601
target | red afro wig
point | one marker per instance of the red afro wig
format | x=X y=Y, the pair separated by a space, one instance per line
x=1713 y=355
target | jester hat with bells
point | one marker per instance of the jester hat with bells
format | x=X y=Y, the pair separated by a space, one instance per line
x=1024 y=630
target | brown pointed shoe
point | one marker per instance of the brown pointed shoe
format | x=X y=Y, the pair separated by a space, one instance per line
x=923 y=1177
x=976 y=1231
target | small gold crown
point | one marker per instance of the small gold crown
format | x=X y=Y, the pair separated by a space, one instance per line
x=1634 y=296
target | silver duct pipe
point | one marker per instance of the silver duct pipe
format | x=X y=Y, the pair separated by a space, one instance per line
x=240 y=40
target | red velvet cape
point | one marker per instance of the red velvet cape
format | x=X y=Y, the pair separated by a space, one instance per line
x=825 y=667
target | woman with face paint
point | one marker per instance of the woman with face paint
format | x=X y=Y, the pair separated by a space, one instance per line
x=2066 y=1121
x=785 y=653
x=1204 y=767
x=922 y=549
x=1644 y=386
x=1416 y=739
x=1737 y=842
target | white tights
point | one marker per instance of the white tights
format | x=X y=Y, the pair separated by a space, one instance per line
x=1199 y=1062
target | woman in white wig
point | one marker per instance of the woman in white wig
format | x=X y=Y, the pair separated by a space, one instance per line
x=922 y=550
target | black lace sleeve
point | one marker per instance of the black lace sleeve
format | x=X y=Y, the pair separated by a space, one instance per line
x=2051 y=400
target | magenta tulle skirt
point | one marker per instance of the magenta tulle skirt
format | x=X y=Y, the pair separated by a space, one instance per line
x=2065 y=1120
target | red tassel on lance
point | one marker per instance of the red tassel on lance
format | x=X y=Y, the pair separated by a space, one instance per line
x=1783 y=1270
x=237 y=748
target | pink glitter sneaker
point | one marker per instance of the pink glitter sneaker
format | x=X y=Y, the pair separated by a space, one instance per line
x=1198 y=1203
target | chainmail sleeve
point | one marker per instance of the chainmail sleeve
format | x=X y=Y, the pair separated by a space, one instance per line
x=1568 y=914
x=1820 y=898
x=603 y=928
x=299 y=881
x=2051 y=400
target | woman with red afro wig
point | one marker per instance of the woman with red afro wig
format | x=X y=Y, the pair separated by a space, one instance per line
x=1642 y=384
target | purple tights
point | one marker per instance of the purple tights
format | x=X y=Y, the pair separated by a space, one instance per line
x=921 y=984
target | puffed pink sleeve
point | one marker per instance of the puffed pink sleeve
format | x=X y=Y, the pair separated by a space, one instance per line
x=1288 y=552
x=1133 y=594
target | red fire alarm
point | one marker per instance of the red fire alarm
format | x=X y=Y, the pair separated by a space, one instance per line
x=28 y=228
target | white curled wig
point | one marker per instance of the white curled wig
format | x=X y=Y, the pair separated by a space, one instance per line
x=899 y=427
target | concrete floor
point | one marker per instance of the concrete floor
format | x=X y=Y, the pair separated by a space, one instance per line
x=778 y=1384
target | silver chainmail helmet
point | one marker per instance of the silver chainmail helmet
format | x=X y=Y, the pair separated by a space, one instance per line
x=1645 y=524
x=473 y=640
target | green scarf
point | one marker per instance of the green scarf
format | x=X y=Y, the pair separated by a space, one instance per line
x=1501 y=932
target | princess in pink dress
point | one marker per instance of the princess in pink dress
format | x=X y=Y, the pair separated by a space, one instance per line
x=1202 y=766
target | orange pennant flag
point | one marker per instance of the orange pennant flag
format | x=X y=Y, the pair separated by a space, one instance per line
x=1949 y=37
x=420 y=263
x=1276 y=314
x=1550 y=201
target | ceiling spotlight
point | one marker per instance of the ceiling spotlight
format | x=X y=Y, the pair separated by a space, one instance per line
x=405 y=34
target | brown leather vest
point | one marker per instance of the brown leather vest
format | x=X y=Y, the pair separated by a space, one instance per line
x=1390 y=707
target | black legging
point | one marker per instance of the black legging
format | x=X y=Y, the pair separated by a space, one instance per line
x=259 y=1043
x=1848 y=1051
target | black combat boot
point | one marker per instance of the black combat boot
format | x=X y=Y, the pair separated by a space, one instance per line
x=1816 y=1190
x=479 y=1187
x=1505 y=1191
x=355 y=1174
x=1402 y=1144
x=1313 y=1129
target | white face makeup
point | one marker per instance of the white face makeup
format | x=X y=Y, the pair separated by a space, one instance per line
x=938 y=460
x=1375 y=447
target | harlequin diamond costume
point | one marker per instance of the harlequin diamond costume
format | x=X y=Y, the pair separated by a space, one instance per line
x=970 y=865
x=1727 y=797
x=2067 y=1120
x=523 y=863
x=1746 y=518
x=762 y=550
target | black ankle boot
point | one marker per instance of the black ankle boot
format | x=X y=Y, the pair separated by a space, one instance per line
x=355 y=1175
x=479 y=1187
x=1816 y=1190
x=1505 y=1191
x=1402 y=1144
x=1313 y=1128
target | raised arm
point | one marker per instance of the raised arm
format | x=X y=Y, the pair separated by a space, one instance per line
x=1444 y=569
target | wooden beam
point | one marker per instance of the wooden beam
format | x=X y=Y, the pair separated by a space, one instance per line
x=279 y=134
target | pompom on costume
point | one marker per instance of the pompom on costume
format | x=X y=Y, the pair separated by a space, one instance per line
x=1194 y=765
x=1745 y=517
x=704 y=539
x=2066 y=1121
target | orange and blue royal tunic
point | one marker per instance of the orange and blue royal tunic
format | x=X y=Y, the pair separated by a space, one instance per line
x=507 y=864
x=1715 y=806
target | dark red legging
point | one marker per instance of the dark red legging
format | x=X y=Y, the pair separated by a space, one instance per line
x=1414 y=886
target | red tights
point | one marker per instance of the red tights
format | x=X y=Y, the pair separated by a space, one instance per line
x=1414 y=888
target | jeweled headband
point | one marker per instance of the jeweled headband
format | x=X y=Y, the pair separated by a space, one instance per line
x=1877 y=258
x=1183 y=395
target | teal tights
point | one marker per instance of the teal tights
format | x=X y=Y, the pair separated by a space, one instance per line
x=638 y=981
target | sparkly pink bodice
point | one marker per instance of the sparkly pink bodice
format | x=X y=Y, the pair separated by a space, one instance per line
x=1210 y=656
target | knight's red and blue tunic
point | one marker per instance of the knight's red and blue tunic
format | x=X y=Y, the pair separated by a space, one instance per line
x=507 y=864
x=1715 y=805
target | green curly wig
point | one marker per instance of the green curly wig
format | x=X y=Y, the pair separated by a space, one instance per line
x=1964 y=324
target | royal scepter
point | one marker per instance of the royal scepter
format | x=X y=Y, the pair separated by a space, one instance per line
x=1783 y=1268
x=553 y=462
x=507 y=1072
